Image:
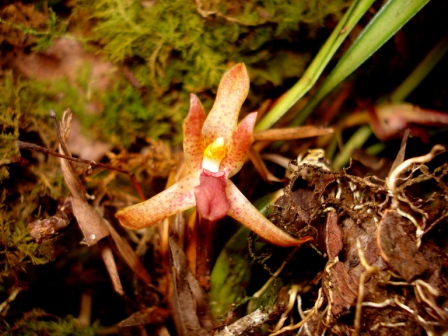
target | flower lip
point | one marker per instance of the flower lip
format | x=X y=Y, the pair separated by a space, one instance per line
x=212 y=202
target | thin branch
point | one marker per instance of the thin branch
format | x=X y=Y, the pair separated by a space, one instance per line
x=30 y=146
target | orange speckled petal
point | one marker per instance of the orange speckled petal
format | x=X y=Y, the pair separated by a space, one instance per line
x=193 y=143
x=232 y=92
x=242 y=139
x=244 y=212
x=178 y=197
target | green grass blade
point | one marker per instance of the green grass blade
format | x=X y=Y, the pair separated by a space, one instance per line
x=309 y=78
x=356 y=141
x=393 y=15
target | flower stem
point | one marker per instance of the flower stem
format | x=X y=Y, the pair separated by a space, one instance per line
x=205 y=233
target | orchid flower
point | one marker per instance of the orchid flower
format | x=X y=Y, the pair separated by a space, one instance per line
x=214 y=149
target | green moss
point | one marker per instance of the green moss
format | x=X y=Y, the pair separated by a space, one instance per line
x=24 y=108
x=174 y=48
x=9 y=126
x=37 y=322
x=17 y=249
x=127 y=115
x=27 y=184
x=44 y=33
x=23 y=185
x=38 y=97
x=25 y=104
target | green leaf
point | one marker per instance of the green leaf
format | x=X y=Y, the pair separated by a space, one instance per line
x=232 y=269
x=309 y=78
x=393 y=15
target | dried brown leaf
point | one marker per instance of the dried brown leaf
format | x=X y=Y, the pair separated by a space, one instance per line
x=188 y=302
x=89 y=221
x=129 y=255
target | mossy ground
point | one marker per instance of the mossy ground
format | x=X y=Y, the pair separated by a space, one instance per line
x=126 y=69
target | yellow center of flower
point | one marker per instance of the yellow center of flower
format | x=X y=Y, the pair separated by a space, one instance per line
x=213 y=155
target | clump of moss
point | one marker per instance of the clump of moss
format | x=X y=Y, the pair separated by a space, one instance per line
x=177 y=47
x=26 y=184
x=172 y=48
x=128 y=115
x=37 y=322
x=17 y=247
x=23 y=25
x=9 y=127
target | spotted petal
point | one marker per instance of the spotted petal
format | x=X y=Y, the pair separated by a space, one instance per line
x=193 y=143
x=232 y=91
x=177 y=198
x=242 y=139
x=244 y=212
